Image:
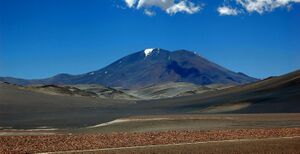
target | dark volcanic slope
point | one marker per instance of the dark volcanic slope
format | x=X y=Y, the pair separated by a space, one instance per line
x=150 y=67
x=272 y=95
x=23 y=108
x=20 y=108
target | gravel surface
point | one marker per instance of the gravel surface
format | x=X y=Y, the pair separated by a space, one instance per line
x=51 y=143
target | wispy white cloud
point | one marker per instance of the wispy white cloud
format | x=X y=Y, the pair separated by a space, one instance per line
x=169 y=6
x=225 y=10
x=149 y=12
x=130 y=3
x=164 y=4
x=183 y=6
x=231 y=7
x=261 y=6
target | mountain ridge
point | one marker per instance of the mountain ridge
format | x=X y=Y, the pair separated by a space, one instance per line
x=148 y=67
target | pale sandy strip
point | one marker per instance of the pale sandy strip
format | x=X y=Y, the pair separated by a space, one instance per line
x=126 y=120
x=165 y=145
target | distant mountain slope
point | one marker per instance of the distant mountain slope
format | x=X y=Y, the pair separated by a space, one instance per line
x=95 y=91
x=105 y=92
x=172 y=89
x=60 y=90
x=273 y=95
x=150 y=67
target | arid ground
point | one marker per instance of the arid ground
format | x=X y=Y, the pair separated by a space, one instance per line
x=262 y=114
x=258 y=134
x=90 y=142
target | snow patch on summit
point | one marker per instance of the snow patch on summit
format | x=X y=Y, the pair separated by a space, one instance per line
x=148 y=51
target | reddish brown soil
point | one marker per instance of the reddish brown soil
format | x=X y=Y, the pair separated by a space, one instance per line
x=50 y=143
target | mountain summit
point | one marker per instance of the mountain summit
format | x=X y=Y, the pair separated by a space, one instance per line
x=149 y=67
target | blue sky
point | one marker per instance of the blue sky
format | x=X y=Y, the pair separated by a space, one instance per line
x=41 y=38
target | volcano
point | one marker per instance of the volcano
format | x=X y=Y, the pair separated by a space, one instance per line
x=150 y=67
